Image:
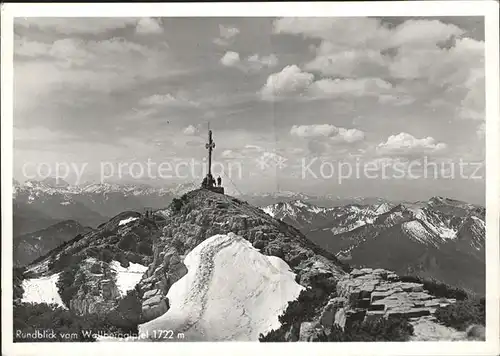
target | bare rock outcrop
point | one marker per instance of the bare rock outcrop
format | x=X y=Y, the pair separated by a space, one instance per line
x=154 y=304
x=370 y=294
x=98 y=292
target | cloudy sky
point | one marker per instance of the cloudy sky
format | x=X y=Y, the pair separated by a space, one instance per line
x=289 y=90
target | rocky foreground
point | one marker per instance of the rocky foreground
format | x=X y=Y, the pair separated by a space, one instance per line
x=369 y=294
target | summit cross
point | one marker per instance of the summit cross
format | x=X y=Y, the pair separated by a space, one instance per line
x=210 y=145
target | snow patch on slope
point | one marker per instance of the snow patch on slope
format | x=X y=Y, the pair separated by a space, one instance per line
x=127 y=277
x=41 y=267
x=382 y=209
x=300 y=204
x=269 y=210
x=164 y=212
x=42 y=290
x=353 y=224
x=231 y=292
x=126 y=221
x=435 y=225
x=417 y=232
x=480 y=222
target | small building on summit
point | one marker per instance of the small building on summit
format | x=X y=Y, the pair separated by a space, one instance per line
x=209 y=182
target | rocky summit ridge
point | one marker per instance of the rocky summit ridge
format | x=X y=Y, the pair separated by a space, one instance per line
x=200 y=214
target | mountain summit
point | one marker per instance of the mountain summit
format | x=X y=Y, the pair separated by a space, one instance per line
x=201 y=214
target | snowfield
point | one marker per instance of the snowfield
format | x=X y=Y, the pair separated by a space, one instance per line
x=42 y=290
x=39 y=267
x=417 y=232
x=436 y=225
x=480 y=222
x=382 y=209
x=269 y=210
x=127 y=278
x=231 y=292
x=126 y=221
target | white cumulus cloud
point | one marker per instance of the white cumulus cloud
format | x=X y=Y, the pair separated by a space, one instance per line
x=259 y=62
x=290 y=80
x=166 y=100
x=429 y=50
x=333 y=133
x=349 y=135
x=70 y=26
x=367 y=33
x=252 y=63
x=308 y=131
x=228 y=31
x=148 y=25
x=422 y=33
x=230 y=59
x=226 y=35
x=352 y=87
x=405 y=144
x=348 y=62
x=191 y=130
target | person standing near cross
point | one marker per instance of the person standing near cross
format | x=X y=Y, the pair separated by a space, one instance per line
x=209 y=181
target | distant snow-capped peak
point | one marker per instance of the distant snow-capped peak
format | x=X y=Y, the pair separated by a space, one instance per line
x=37 y=188
x=296 y=207
x=293 y=209
x=383 y=208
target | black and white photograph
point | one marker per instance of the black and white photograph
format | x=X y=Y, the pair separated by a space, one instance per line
x=251 y=178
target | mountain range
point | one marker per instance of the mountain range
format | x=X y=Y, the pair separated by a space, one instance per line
x=441 y=238
x=91 y=204
x=39 y=204
x=27 y=247
x=433 y=238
